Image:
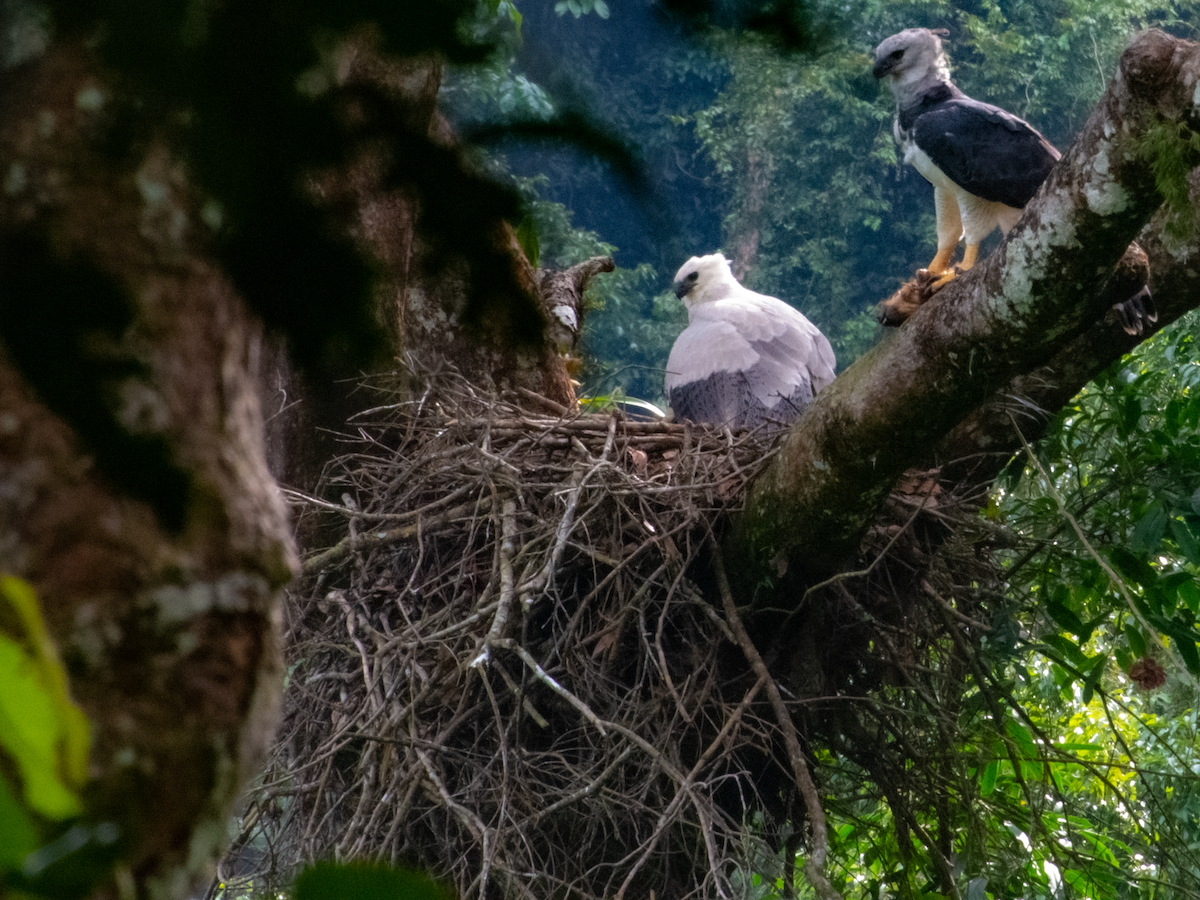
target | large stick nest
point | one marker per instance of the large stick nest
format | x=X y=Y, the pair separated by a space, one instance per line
x=511 y=666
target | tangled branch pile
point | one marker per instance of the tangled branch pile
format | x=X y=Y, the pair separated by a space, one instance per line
x=512 y=665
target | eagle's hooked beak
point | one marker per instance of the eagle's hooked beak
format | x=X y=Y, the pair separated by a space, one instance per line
x=684 y=286
x=885 y=65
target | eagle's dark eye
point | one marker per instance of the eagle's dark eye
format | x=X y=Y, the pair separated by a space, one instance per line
x=896 y=54
x=692 y=276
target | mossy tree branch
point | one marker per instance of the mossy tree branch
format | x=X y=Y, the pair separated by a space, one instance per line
x=1040 y=291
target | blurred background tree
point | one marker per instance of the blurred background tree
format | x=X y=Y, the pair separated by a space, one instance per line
x=784 y=160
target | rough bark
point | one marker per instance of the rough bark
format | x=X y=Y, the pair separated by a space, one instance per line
x=975 y=451
x=136 y=498
x=1038 y=292
x=420 y=298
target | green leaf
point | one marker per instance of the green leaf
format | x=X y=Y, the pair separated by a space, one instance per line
x=987 y=782
x=1149 y=531
x=527 y=237
x=1189 y=593
x=1186 y=541
x=18 y=836
x=44 y=733
x=1132 y=567
x=1187 y=650
x=1067 y=619
x=1067 y=648
x=31 y=734
x=1022 y=738
x=330 y=881
x=1137 y=643
x=601 y=9
x=1093 y=678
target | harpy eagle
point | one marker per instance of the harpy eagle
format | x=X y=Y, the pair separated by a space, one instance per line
x=745 y=360
x=984 y=163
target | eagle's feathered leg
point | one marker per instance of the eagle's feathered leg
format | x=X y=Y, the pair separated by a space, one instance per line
x=949 y=233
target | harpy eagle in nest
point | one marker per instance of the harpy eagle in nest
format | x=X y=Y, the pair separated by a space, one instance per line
x=984 y=163
x=745 y=360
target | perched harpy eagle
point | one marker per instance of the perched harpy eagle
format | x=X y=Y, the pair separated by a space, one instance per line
x=745 y=359
x=984 y=163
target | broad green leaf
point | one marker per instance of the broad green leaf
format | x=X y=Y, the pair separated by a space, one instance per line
x=1093 y=679
x=1132 y=567
x=1189 y=592
x=43 y=731
x=18 y=836
x=1186 y=541
x=1137 y=643
x=1187 y=650
x=1067 y=648
x=1066 y=618
x=31 y=733
x=987 y=783
x=1022 y=738
x=356 y=881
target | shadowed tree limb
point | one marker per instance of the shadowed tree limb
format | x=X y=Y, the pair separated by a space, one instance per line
x=814 y=864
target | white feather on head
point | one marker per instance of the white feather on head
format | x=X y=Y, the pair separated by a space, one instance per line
x=713 y=280
x=745 y=359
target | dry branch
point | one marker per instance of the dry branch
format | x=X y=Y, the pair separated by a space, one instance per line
x=489 y=579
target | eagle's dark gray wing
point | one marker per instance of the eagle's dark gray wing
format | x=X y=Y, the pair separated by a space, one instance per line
x=984 y=150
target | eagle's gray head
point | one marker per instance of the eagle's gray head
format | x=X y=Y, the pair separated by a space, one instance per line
x=912 y=57
x=704 y=278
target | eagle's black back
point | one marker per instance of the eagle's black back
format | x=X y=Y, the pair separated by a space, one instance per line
x=982 y=148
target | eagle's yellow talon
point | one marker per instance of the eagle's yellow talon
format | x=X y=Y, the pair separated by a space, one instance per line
x=945 y=279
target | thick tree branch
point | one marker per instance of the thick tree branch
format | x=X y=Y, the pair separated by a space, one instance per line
x=1038 y=292
x=978 y=448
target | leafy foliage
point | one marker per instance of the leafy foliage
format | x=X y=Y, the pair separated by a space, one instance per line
x=41 y=730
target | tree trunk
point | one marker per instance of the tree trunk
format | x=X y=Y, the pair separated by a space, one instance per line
x=136 y=498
